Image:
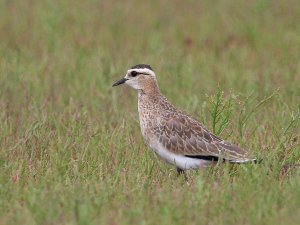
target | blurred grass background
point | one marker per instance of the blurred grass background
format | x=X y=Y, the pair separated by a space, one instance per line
x=71 y=151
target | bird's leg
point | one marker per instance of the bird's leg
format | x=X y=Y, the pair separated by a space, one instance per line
x=181 y=172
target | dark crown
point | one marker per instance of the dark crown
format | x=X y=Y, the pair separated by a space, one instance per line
x=142 y=66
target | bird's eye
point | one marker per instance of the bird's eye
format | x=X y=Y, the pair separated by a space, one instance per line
x=134 y=73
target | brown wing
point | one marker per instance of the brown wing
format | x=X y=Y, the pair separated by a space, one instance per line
x=183 y=135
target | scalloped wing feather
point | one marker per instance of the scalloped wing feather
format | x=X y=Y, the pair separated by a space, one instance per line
x=184 y=135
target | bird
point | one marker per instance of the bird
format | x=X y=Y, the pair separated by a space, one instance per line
x=173 y=135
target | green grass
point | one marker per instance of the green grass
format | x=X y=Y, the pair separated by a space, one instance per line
x=71 y=151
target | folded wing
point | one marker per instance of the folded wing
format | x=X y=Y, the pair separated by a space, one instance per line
x=183 y=135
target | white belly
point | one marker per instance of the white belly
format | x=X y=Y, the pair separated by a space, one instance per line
x=180 y=161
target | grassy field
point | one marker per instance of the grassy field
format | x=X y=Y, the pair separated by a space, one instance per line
x=71 y=151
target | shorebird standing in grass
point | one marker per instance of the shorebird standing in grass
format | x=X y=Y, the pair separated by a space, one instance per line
x=176 y=137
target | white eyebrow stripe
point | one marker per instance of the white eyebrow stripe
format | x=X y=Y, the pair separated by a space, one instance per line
x=143 y=71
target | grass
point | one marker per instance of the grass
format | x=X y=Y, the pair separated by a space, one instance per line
x=71 y=151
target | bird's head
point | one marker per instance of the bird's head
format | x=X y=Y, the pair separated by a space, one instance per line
x=140 y=77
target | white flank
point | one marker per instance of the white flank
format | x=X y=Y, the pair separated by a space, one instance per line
x=180 y=161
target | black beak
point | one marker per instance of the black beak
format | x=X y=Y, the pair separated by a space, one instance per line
x=122 y=81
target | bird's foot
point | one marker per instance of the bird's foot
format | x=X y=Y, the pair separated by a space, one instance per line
x=181 y=172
